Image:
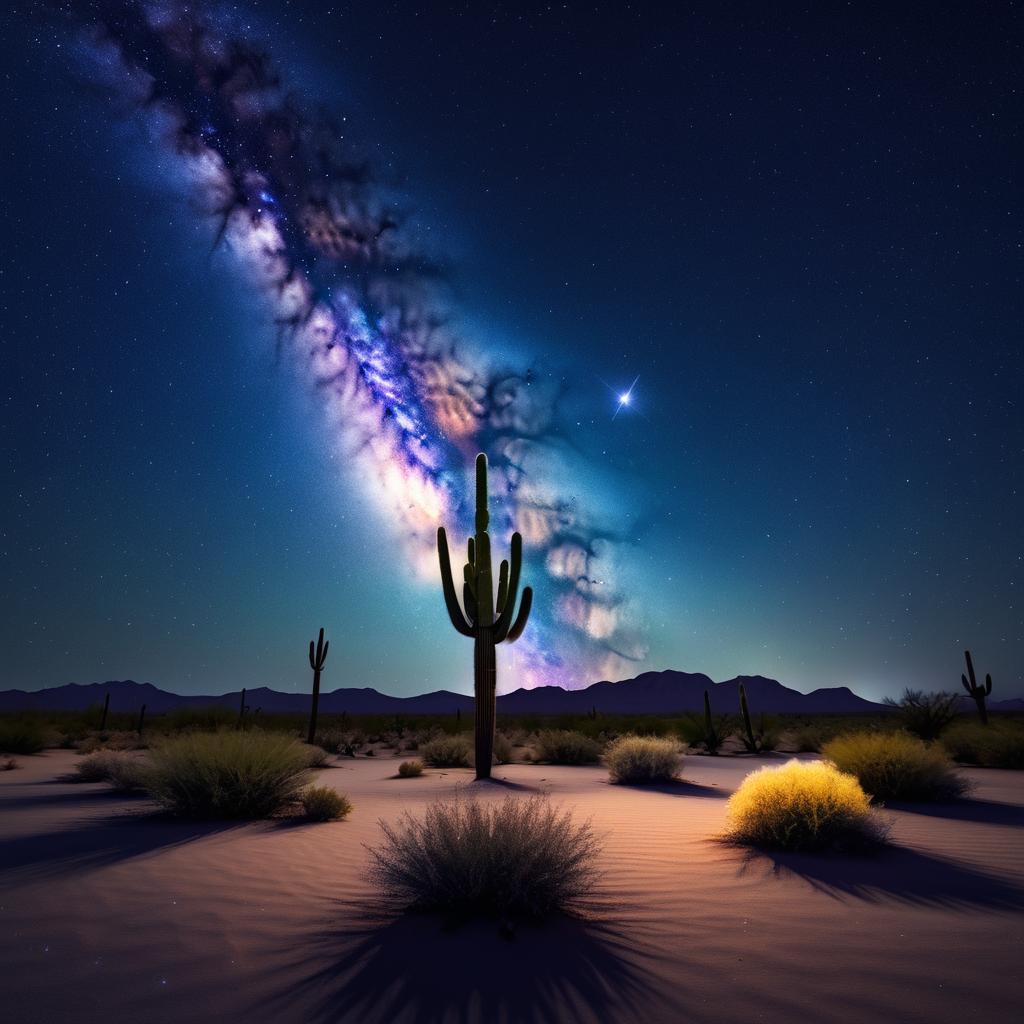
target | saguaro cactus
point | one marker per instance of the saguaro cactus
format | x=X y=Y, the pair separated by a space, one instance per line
x=485 y=618
x=142 y=718
x=317 y=657
x=242 y=708
x=712 y=741
x=103 y=717
x=978 y=692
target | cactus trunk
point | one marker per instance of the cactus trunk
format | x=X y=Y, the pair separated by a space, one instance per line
x=978 y=693
x=106 y=708
x=485 y=692
x=317 y=660
x=142 y=718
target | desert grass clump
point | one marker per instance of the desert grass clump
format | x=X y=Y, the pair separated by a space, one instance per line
x=639 y=759
x=321 y=803
x=895 y=766
x=410 y=769
x=502 y=749
x=802 y=806
x=124 y=771
x=995 y=745
x=564 y=746
x=228 y=774
x=520 y=858
x=21 y=737
x=448 y=751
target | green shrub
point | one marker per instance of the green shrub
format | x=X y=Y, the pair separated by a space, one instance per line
x=993 y=746
x=21 y=737
x=896 y=766
x=802 y=806
x=637 y=759
x=228 y=774
x=321 y=803
x=448 y=751
x=521 y=857
x=562 y=746
x=410 y=769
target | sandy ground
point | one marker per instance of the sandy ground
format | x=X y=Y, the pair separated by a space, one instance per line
x=109 y=914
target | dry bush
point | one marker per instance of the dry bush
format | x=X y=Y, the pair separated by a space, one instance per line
x=125 y=771
x=895 y=766
x=502 y=749
x=410 y=769
x=563 y=746
x=448 y=751
x=522 y=857
x=638 y=759
x=997 y=745
x=321 y=803
x=228 y=774
x=803 y=806
x=21 y=737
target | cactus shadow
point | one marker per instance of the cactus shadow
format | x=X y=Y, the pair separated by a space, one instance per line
x=414 y=969
x=894 y=875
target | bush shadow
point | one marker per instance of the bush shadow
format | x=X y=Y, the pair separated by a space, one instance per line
x=99 y=842
x=414 y=969
x=892 y=874
x=986 y=812
x=681 y=787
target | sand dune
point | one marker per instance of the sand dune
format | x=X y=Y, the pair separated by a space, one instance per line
x=112 y=914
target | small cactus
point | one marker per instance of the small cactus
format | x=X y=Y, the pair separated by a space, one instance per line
x=975 y=690
x=242 y=708
x=317 y=659
x=142 y=718
x=712 y=741
x=103 y=717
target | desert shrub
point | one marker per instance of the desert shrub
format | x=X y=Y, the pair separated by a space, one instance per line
x=994 y=746
x=896 y=766
x=186 y=719
x=925 y=715
x=522 y=857
x=317 y=757
x=9 y=764
x=124 y=771
x=118 y=740
x=448 y=751
x=228 y=774
x=643 y=759
x=802 y=806
x=410 y=769
x=321 y=803
x=563 y=746
x=21 y=737
x=809 y=739
x=502 y=748
x=694 y=732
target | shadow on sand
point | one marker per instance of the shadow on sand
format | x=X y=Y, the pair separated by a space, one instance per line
x=895 y=875
x=409 y=968
x=985 y=812
x=97 y=842
x=678 y=788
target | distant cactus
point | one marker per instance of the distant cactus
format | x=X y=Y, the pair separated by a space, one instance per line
x=242 y=708
x=977 y=692
x=103 y=717
x=488 y=620
x=317 y=658
x=142 y=718
x=712 y=739
x=761 y=740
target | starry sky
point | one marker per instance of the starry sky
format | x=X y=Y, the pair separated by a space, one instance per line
x=798 y=232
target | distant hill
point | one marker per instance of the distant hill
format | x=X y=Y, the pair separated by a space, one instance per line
x=648 y=693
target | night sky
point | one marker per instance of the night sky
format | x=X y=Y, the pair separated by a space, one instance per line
x=798 y=231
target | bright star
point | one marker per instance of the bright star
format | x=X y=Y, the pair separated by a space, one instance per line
x=625 y=397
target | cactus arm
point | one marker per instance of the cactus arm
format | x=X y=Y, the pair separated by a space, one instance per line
x=323 y=657
x=970 y=670
x=469 y=603
x=451 y=601
x=967 y=685
x=312 y=661
x=471 y=552
x=988 y=684
x=501 y=627
x=517 y=627
x=502 y=586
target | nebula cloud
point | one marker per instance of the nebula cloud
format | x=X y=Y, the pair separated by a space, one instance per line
x=362 y=313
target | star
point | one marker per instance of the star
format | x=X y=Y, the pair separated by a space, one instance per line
x=625 y=398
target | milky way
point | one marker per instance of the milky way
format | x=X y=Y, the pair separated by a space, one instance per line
x=362 y=313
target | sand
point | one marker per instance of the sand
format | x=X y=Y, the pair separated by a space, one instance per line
x=111 y=914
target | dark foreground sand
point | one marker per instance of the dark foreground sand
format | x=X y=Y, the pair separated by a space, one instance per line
x=109 y=914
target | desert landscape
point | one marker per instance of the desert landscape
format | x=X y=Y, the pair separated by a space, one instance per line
x=113 y=911
x=511 y=513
